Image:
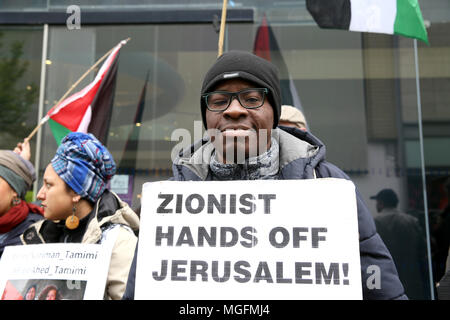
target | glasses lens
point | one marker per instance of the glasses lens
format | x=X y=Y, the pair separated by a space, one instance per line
x=252 y=98
x=218 y=101
x=249 y=98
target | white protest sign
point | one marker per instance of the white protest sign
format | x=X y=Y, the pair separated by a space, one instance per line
x=291 y=239
x=77 y=271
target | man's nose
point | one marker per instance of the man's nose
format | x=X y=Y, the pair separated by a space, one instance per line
x=235 y=109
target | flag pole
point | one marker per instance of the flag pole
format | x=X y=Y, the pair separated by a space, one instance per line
x=422 y=165
x=45 y=118
x=222 y=27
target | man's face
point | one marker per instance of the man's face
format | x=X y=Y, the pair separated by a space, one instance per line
x=380 y=205
x=239 y=131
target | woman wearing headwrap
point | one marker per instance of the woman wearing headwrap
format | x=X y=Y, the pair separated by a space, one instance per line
x=79 y=208
x=16 y=178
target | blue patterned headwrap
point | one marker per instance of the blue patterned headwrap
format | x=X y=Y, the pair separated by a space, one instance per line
x=84 y=164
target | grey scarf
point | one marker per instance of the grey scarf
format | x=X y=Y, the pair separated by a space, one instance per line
x=262 y=167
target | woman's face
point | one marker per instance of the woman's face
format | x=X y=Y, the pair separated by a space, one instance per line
x=51 y=295
x=31 y=294
x=57 y=199
x=7 y=195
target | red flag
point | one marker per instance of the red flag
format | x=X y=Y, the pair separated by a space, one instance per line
x=266 y=46
x=88 y=110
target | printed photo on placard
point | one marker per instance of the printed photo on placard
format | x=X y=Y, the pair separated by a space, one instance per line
x=41 y=289
x=56 y=271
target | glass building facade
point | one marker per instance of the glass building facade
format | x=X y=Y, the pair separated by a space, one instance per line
x=380 y=103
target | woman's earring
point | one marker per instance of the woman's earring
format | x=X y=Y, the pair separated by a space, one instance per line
x=16 y=201
x=72 y=221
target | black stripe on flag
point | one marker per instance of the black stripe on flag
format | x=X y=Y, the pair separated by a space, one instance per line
x=103 y=103
x=334 y=14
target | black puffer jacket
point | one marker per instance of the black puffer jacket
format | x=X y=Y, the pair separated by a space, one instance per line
x=302 y=156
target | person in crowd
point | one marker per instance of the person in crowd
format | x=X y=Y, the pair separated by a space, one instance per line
x=292 y=117
x=16 y=178
x=442 y=237
x=241 y=98
x=30 y=294
x=405 y=240
x=50 y=292
x=443 y=286
x=79 y=208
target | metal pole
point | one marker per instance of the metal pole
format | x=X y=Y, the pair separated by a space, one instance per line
x=422 y=161
x=40 y=109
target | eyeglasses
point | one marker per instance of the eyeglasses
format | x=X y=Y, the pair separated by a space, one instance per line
x=249 y=98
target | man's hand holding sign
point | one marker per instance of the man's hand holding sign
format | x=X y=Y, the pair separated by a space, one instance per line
x=253 y=240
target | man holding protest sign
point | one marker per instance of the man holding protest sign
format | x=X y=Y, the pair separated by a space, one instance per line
x=241 y=107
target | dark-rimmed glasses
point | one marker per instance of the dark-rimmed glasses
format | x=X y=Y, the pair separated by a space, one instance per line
x=251 y=98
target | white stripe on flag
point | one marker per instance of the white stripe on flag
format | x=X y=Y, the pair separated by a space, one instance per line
x=373 y=15
x=84 y=124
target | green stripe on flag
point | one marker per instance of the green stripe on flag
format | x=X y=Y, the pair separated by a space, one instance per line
x=409 y=21
x=58 y=130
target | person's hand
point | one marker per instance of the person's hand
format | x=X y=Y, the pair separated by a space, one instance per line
x=23 y=149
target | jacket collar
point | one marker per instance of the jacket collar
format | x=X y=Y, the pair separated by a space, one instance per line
x=192 y=163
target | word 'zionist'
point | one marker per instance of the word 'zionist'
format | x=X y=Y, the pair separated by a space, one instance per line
x=243 y=272
x=214 y=203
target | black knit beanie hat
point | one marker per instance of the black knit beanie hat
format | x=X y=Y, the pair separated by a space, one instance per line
x=246 y=66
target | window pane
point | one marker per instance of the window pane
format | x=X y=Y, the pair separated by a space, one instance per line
x=20 y=68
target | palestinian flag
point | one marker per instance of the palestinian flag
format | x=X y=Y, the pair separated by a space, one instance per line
x=88 y=110
x=399 y=17
x=266 y=46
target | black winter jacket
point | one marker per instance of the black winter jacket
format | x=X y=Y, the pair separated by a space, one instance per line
x=13 y=236
x=302 y=156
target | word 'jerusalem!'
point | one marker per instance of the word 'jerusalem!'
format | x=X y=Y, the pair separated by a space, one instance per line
x=244 y=272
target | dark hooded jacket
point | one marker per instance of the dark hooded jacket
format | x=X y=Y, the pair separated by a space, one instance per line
x=12 y=238
x=302 y=156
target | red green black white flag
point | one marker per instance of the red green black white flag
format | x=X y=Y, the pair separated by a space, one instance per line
x=266 y=46
x=399 y=17
x=88 y=110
